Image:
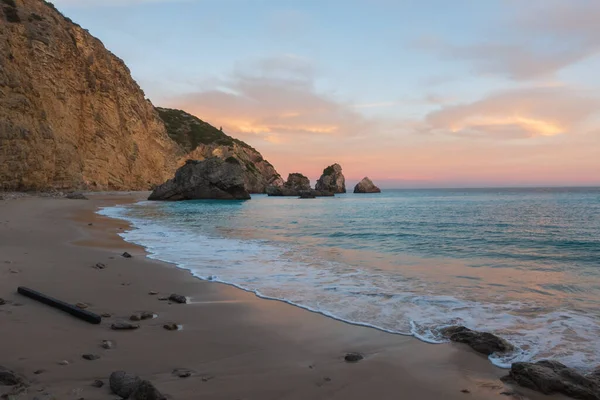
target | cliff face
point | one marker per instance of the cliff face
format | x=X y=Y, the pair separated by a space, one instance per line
x=201 y=140
x=332 y=180
x=71 y=116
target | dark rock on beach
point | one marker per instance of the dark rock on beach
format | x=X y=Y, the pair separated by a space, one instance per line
x=212 y=178
x=142 y=316
x=76 y=196
x=182 y=372
x=123 y=326
x=482 y=342
x=366 y=186
x=90 y=357
x=130 y=386
x=353 y=357
x=332 y=180
x=550 y=377
x=171 y=327
x=177 y=298
x=11 y=378
x=123 y=384
x=126 y=255
x=146 y=391
x=98 y=383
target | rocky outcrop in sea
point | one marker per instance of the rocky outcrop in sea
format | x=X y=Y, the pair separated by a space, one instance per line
x=212 y=178
x=366 y=186
x=201 y=140
x=296 y=185
x=332 y=180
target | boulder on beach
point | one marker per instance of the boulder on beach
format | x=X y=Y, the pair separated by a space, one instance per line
x=366 y=186
x=332 y=180
x=550 y=377
x=130 y=386
x=11 y=378
x=482 y=342
x=211 y=178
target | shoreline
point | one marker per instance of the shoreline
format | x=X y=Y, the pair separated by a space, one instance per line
x=252 y=347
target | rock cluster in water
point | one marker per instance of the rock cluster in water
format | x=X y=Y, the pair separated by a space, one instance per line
x=212 y=178
x=332 y=181
x=296 y=185
x=366 y=186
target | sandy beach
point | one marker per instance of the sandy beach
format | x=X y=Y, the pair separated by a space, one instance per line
x=235 y=345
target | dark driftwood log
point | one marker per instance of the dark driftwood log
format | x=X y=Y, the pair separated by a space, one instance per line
x=61 y=305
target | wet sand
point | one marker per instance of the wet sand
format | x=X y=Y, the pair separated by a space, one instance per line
x=236 y=345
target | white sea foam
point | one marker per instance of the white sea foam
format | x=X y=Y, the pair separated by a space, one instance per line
x=380 y=300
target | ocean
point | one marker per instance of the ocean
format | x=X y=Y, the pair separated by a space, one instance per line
x=521 y=263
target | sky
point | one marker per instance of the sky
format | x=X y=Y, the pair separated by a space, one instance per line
x=411 y=93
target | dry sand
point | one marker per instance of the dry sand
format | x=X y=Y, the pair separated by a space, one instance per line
x=236 y=345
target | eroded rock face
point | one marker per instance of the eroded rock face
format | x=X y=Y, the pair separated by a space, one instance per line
x=212 y=178
x=332 y=180
x=550 y=377
x=482 y=342
x=71 y=115
x=200 y=140
x=366 y=186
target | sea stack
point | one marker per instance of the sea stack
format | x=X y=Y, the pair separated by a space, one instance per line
x=366 y=186
x=332 y=180
x=296 y=183
x=212 y=178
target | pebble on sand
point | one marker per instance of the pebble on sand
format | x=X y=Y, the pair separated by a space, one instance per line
x=107 y=344
x=177 y=298
x=90 y=357
x=97 y=383
x=123 y=326
x=171 y=327
x=126 y=255
x=353 y=357
x=182 y=372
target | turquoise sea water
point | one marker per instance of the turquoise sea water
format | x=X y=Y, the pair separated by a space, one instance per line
x=522 y=263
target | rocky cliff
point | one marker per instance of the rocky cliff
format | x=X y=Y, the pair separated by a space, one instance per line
x=71 y=116
x=332 y=180
x=201 y=140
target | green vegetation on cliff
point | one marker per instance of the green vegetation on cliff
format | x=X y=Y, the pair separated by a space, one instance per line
x=190 y=131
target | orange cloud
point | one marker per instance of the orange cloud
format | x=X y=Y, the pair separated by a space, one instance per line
x=545 y=111
x=273 y=96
